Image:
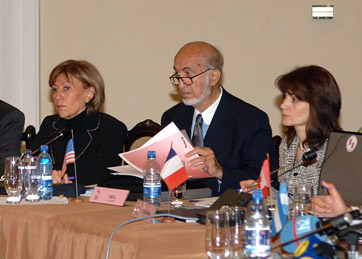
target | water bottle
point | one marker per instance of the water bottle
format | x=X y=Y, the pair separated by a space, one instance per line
x=257 y=228
x=45 y=167
x=31 y=178
x=152 y=180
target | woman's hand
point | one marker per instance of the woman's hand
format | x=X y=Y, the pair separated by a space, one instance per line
x=60 y=177
x=329 y=204
x=248 y=185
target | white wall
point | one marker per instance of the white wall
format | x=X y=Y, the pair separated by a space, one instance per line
x=133 y=43
x=19 y=68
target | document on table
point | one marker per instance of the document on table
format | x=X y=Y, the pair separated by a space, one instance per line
x=126 y=170
x=207 y=202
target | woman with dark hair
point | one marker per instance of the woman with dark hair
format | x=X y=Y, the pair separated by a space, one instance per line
x=78 y=94
x=310 y=111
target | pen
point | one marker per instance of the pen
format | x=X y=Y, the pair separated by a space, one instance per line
x=325 y=193
x=247 y=188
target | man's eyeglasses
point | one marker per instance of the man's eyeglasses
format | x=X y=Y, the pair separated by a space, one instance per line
x=187 y=80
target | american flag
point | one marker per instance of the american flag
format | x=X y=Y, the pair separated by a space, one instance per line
x=69 y=152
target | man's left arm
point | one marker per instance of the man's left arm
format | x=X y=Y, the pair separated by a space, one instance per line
x=11 y=129
x=257 y=144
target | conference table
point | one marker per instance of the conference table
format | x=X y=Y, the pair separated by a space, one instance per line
x=82 y=230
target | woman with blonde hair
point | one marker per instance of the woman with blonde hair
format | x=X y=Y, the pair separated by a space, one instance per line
x=78 y=95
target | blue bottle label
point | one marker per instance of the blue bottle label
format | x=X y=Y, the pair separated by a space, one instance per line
x=255 y=238
x=152 y=191
x=45 y=161
x=46 y=182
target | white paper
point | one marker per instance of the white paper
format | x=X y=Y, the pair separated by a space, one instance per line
x=207 y=202
x=126 y=170
x=167 y=131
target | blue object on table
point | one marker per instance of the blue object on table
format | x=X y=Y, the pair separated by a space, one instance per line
x=68 y=190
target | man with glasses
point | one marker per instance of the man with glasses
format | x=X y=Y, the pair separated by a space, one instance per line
x=231 y=137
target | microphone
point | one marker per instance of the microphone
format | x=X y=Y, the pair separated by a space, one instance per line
x=307 y=159
x=61 y=134
x=314 y=248
x=297 y=230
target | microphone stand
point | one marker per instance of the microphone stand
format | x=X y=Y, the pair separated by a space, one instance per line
x=340 y=227
x=351 y=236
x=306 y=159
x=61 y=135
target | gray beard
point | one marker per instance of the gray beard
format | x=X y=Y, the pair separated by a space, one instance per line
x=205 y=93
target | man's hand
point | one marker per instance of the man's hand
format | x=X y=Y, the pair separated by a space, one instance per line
x=206 y=161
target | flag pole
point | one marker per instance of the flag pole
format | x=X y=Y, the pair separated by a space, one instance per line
x=75 y=177
x=168 y=219
x=267 y=157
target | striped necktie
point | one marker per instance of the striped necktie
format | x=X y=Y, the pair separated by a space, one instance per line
x=197 y=138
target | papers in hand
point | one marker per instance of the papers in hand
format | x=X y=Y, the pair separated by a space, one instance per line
x=161 y=143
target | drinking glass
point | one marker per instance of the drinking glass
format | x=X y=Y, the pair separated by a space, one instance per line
x=270 y=205
x=13 y=179
x=236 y=231
x=177 y=195
x=216 y=235
x=301 y=204
x=32 y=180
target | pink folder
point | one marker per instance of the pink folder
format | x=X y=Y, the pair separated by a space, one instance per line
x=179 y=142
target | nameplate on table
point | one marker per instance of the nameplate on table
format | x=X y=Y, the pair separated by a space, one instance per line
x=109 y=196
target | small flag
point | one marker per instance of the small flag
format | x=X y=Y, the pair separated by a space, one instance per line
x=69 y=152
x=281 y=211
x=173 y=171
x=264 y=178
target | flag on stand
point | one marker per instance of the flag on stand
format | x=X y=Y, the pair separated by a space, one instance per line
x=173 y=171
x=69 y=152
x=281 y=211
x=264 y=178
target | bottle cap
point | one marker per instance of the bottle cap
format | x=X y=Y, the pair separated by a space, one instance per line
x=151 y=154
x=257 y=195
x=44 y=148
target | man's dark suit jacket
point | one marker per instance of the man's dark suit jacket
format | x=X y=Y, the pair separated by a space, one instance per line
x=239 y=135
x=98 y=139
x=11 y=128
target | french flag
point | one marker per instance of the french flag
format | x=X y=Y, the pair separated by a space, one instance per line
x=264 y=178
x=173 y=171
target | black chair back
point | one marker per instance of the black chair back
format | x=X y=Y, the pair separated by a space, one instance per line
x=146 y=128
x=28 y=135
